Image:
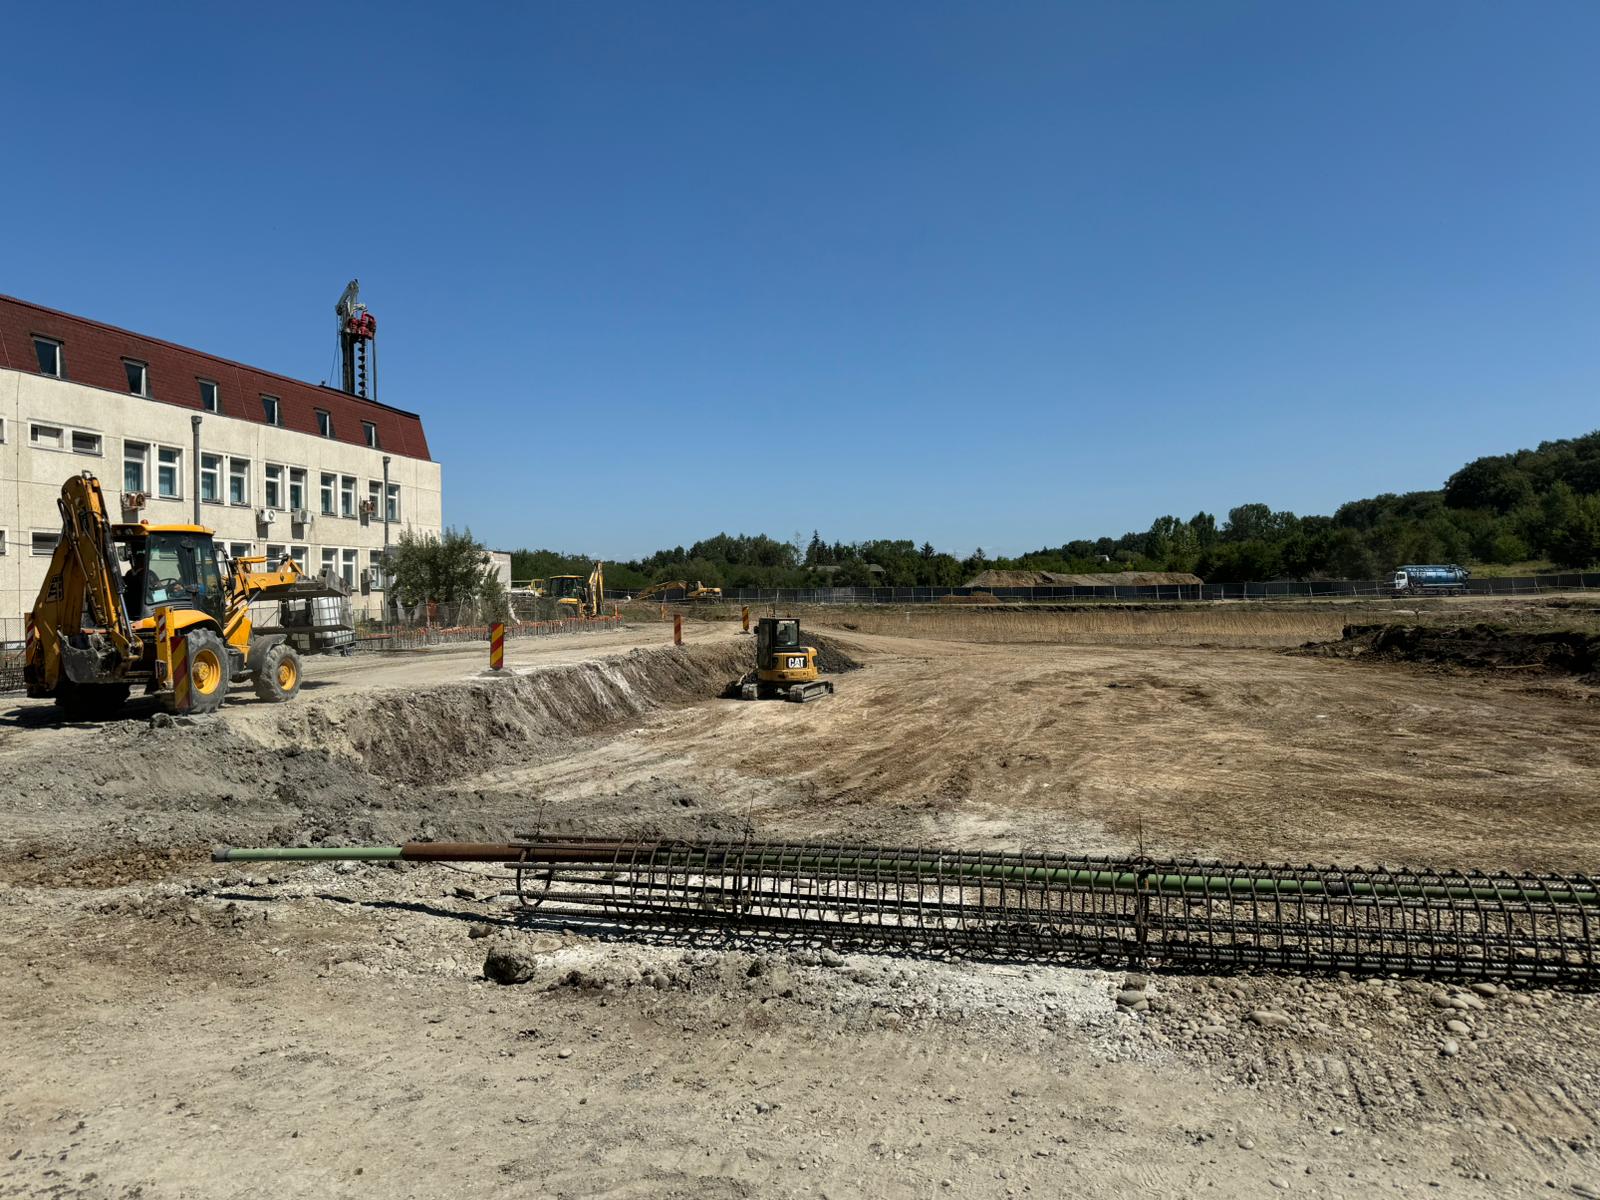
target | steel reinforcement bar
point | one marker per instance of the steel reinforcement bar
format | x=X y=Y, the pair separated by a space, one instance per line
x=1455 y=924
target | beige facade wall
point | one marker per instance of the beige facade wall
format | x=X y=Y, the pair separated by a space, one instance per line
x=33 y=466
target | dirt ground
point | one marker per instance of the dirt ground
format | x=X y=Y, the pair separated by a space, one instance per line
x=173 y=1028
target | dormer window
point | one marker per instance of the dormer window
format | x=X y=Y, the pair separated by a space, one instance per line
x=48 y=351
x=138 y=377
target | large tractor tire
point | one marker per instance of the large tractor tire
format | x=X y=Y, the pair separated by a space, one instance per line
x=208 y=671
x=279 y=677
x=90 y=701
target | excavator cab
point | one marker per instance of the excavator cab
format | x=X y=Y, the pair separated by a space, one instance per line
x=172 y=570
x=785 y=666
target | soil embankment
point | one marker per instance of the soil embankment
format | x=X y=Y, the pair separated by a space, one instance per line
x=1564 y=653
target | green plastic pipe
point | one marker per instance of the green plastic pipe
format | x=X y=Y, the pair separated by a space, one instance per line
x=1112 y=880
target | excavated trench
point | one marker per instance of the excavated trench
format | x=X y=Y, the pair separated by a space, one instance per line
x=386 y=766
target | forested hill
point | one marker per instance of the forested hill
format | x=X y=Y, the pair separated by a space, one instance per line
x=1533 y=506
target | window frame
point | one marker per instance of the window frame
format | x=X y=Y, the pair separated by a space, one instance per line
x=99 y=450
x=324 y=423
x=304 y=482
x=34 y=427
x=328 y=493
x=144 y=467
x=347 y=497
x=143 y=391
x=392 y=503
x=236 y=475
x=272 y=410
x=269 y=484
x=216 y=395
x=61 y=355
x=33 y=542
x=176 y=466
x=350 y=566
x=369 y=434
x=215 y=472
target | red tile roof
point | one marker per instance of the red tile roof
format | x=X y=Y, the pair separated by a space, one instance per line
x=93 y=354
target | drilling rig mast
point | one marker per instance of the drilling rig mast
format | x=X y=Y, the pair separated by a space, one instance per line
x=358 y=330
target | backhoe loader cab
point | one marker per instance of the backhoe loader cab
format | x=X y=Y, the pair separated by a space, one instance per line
x=174 y=622
x=785 y=666
x=576 y=596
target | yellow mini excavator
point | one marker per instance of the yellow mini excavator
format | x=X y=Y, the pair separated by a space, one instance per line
x=95 y=632
x=785 y=667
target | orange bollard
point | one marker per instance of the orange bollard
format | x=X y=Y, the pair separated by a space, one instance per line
x=497 y=646
x=744 y=619
x=677 y=629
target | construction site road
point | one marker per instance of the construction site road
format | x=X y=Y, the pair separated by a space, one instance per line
x=170 y=1027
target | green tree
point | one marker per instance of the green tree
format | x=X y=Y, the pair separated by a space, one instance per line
x=445 y=570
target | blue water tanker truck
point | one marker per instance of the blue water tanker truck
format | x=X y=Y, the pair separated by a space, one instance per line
x=1430 y=580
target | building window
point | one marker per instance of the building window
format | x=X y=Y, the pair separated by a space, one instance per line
x=45 y=543
x=46 y=437
x=210 y=399
x=298 y=553
x=237 y=550
x=138 y=376
x=324 y=423
x=375 y=569
x=211 y=478
x=330 y=562
x=297 y=487
x=272 y=496
x=135 y=466
x=374 y=498
x=394 y=502
x=275 y=555
x=2 y=429
x=169 y=473
x=272 y=410
x=238 y=481
x=330 y=484
x=50 y=358
x=347 y=496
x=349 y=571
x=84 y=442
x=3 y=548
x=370 y=432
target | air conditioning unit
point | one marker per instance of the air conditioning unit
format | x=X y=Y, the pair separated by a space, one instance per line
x=266 y=515
x=299 y=516
x=134 y=501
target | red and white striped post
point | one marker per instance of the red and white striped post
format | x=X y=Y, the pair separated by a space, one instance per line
x=497 y=646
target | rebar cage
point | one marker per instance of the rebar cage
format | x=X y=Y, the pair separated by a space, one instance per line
x=1141 y=911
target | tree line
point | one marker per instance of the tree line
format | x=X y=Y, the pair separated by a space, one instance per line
x=1536 y=507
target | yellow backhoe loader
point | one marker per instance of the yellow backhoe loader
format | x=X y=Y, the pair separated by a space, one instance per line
x=174 y=623
x=785 y=667
x=576 y=596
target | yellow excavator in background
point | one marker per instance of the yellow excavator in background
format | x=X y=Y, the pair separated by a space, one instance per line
x=94 y=633
x=698 y=592
x=576 y=596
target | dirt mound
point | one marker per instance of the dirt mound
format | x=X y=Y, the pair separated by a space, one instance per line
x=1475 y=647
x=992 y=579
x=831 y=657
x=442 y=733
x=385 y=767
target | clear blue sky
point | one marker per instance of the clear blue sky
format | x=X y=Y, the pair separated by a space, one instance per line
x=985 y=274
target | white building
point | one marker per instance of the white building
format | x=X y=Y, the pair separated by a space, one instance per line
x=283 y=467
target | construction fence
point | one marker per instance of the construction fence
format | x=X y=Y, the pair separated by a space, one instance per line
x=392 y=638
x=1329 y=589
